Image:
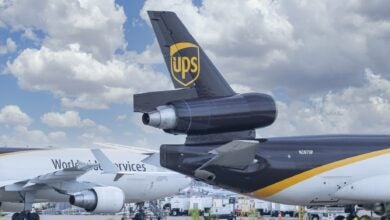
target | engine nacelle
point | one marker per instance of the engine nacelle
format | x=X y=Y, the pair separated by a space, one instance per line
x=214 y=115
x=106 y=199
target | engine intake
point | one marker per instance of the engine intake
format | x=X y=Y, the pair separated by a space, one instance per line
x=214 y=115
x=99 y=199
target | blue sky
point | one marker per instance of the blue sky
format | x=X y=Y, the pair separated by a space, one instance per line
x=36 y=103
x=69 y=70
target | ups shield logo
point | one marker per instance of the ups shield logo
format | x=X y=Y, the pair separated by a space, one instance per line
x=185 y=62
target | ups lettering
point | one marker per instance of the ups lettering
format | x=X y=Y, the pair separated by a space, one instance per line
x=184 y=64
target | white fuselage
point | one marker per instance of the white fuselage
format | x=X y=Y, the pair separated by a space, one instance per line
x=360 y=182
x=142 y=183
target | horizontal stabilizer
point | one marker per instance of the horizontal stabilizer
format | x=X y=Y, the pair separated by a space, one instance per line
x=147 y=102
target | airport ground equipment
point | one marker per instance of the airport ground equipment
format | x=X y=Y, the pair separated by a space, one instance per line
x=324 y=213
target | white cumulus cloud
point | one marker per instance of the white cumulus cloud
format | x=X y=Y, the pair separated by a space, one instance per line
x=77 y=58
x=302 y=47
x=97 y=26
x=80 y=80
x=72 y=119
x=13 y=115
x=65 y=120
x=355 y=109
x=57 y=135
x=9 y=47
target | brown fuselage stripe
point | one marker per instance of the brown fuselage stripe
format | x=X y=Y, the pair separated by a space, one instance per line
x=281 y=185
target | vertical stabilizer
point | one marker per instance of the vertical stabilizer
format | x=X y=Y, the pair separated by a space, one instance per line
x=187 y=63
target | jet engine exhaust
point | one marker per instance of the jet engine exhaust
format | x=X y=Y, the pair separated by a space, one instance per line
x=164 y=118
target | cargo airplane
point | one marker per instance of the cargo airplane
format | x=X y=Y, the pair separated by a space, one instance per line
x=221 y=148
x=84 y=177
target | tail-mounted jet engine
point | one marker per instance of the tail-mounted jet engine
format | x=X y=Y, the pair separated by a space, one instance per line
x=218 y=122
x=106 y=199
x=214 y=115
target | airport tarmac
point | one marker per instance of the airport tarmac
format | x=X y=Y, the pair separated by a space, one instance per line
x=73 y=217
x=117 y=217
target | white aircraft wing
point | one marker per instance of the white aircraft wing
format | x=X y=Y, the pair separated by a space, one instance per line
x=64 y=181
x=7 y=182
x=137 y=150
